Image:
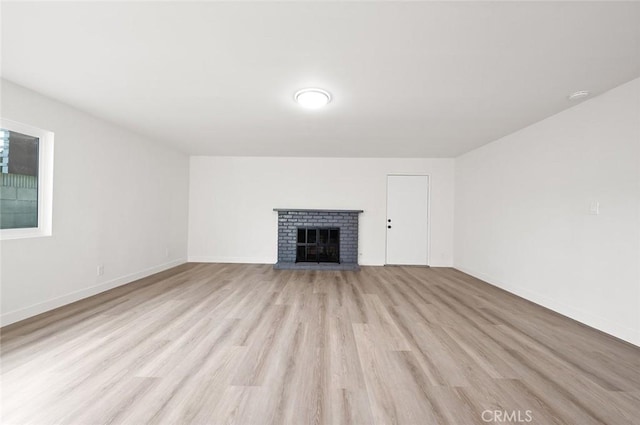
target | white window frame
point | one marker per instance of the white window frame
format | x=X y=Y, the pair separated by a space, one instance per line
x=45 y=182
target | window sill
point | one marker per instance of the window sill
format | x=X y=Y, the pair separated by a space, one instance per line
x=10 y=234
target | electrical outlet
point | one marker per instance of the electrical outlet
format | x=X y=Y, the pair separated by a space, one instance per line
x=166 y=253
x=594 y=208
x=100 y=270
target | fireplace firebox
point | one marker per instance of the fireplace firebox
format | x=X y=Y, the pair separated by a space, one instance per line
x=317 y=239
x=318 y=245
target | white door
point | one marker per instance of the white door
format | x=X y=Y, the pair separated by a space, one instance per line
x=407 y=215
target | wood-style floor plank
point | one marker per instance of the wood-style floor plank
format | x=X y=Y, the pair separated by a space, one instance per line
x=249 y=345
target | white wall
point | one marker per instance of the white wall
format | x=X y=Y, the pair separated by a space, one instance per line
x=119 y=200
x=522 y=212
x=231 y=201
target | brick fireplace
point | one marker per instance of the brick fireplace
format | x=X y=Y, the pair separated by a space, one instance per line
x=317 y=239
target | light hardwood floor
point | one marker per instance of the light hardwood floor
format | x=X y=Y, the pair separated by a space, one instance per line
x=246 y=344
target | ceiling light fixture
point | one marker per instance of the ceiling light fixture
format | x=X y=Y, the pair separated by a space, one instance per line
x=312 y=98
x=579 y=95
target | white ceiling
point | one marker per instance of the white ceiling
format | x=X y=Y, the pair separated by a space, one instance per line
x=413 y=79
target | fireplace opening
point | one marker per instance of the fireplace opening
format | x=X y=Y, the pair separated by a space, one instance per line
x=318 y=245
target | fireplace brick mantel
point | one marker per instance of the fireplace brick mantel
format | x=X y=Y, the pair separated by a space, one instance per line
x=290 y=219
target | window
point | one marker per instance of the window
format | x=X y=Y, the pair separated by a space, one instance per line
x=26 y=177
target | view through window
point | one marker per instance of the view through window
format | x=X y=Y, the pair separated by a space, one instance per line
x=18 y=180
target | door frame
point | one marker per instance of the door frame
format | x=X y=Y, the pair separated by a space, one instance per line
x=428 y=176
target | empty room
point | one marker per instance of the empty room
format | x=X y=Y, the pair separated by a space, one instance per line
x=318 y=212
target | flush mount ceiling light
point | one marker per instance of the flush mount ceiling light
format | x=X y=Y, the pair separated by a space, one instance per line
x=579 y=95
x=312 y=98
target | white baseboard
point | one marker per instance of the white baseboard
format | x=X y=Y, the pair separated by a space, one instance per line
x=625 y=333
x=370 y=262
x=25 y=313
x=245 y=260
